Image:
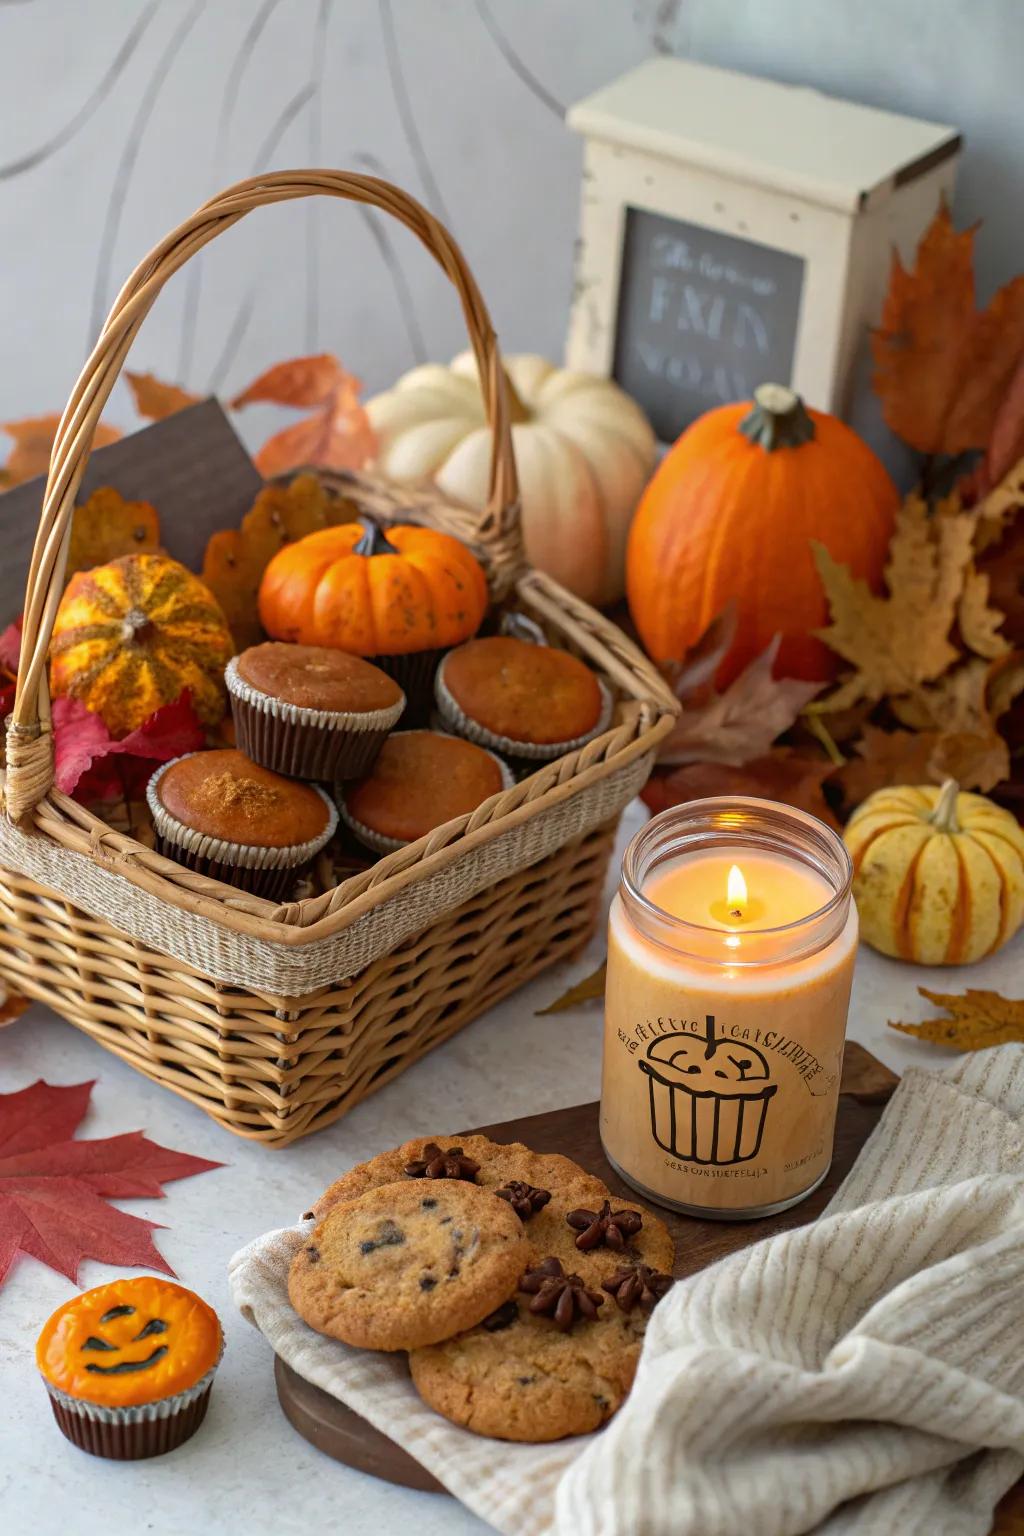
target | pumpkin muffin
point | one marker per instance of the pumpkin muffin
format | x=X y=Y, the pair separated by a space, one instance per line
x=310 y=712
x=523 y=700
x=224 y=816
x=420 y=780
x=129 y=1366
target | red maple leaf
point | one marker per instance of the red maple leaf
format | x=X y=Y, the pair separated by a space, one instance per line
x=91 y=765
x=10 y=648
x=54 y=1190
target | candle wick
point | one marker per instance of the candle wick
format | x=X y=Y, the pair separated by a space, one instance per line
x=736 y=912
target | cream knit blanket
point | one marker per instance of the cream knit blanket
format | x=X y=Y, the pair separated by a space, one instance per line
x=861 y=1375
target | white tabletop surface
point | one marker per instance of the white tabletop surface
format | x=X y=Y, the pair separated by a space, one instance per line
x=247 y=1469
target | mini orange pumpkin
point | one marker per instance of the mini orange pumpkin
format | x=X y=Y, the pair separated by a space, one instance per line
x=359 y=589
x=133 y=1341
x=131 y=636
x=730 y=515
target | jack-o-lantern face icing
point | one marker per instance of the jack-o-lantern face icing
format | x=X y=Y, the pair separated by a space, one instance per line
x=130 y=1342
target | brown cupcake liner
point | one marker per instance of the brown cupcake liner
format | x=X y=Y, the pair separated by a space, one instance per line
x=267 y=872
x=129 y=1434
x=302 y=743
x=376 y=841
x=125 y=1441
x=414 y=673
x=528 y=753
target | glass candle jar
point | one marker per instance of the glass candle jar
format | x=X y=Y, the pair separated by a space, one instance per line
x=731 y=948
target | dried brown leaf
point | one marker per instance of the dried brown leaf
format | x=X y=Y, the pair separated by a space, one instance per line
x=106 y=527
x=885 y=758
x=236 y=558
x=979 y=622
x=589 y=990
x=339 y=436
x=156 y=400
x=900 y=640
x=33 y=441
x=696 y=671
x=743 y=722
x=942 y=367
x=975 y=1020
x=303 y=382
x=779 y=775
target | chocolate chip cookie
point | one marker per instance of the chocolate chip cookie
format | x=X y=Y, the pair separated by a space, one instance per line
x=519 y=1376
x=404 y=1265
x=572 y=1224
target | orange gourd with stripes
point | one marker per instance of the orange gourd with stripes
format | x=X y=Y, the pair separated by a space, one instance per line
x=731 y=514
x=131 y=636
x=938 y=875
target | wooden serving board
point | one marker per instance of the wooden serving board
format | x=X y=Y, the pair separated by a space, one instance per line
x=339 y=1432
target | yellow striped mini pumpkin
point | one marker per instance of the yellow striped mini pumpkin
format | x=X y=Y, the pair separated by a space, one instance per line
x=131 y=636
x=938 y=875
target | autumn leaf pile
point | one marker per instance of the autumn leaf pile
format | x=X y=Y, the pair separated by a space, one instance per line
x=932 y=684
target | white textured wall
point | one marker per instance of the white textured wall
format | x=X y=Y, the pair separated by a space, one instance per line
x=117 y=117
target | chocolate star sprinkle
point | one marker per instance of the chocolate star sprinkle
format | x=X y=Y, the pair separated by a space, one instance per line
x=636 y=1285
x=525 y=1199
x=604 y=1228
x=564 y=1298
x=435 y=1164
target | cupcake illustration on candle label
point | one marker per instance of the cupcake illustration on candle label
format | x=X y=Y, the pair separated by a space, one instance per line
x=709 y=1096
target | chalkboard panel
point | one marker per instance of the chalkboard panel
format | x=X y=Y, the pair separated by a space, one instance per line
x=703 y=318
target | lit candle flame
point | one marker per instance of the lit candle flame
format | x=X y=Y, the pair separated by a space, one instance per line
x=736 y=892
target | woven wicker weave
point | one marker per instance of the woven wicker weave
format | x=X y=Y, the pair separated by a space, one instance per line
x=277 y=1019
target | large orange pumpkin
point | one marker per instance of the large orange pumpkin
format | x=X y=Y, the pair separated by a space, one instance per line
x=731 y=513
x=358 y=589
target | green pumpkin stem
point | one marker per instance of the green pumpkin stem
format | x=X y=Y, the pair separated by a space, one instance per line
x=943 y=818
x=778 y=419
x=374 y=540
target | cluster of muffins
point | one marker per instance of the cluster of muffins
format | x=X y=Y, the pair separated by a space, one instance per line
x=316 y=738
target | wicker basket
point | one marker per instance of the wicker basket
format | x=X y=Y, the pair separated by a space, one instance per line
x=277 y=1019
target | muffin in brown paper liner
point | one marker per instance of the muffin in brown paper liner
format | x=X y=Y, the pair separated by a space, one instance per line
x=311 y=713
x=522 y=681
x=417 y=785
x=269 y=868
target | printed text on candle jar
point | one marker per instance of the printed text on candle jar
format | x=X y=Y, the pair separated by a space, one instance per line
x=815 y=1075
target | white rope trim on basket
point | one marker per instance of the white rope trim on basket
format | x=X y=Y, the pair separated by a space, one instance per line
x=241 y=855
x=377 y=841
x=299 y=714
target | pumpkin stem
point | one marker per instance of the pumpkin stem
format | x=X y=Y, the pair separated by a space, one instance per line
x=374 y=540
x=136 y=627
x=778 y=419
x=943 y=818
x=517 y=411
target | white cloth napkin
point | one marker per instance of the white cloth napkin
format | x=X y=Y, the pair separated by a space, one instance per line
x=864 y=1374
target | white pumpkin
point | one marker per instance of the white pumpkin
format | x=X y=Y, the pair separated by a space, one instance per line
x=584 y=452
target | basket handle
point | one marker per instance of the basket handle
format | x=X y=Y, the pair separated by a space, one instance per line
x=29 y=732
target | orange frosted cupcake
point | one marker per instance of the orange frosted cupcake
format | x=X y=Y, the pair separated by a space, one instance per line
x=523 y=700
x=310 y=712
x=420 y=780
x=129 y=1366
x=224 y=816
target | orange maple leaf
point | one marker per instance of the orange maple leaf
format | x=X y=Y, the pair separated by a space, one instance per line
x=337 y=436
x=303 y=382
x=942 y=366
x=156 y=400
x=33 y=441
